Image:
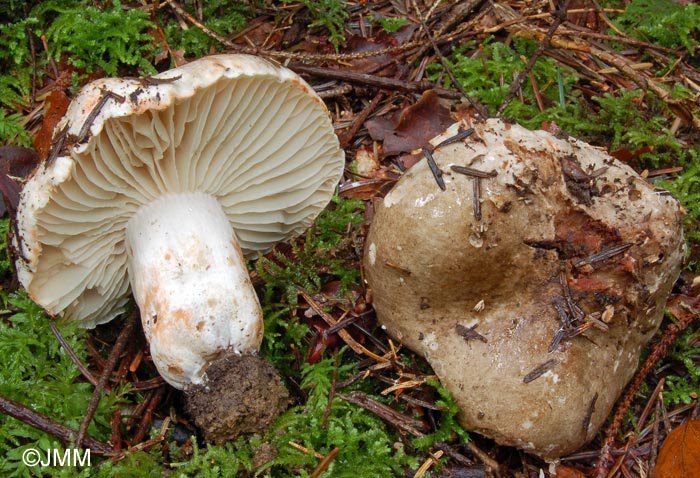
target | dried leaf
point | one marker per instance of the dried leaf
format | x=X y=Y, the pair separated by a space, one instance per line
x=416 y=125
x=362 y=46
x=626 y=155
x=564 y=471
x=366 y=188
x=15 y=163
x=55 y=107
x=680 y=454
x=366 y=161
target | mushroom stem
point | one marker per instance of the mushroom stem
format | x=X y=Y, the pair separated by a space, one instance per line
x=190 y=281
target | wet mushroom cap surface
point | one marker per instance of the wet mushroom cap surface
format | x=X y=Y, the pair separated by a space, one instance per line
x=533 y=307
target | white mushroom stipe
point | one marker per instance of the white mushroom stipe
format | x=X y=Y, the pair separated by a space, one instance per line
x=161 y=186
x=190 y=281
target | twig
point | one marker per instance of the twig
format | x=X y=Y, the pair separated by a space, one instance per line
x=343 y=334
x=347 y=136
x=305 y=450
x=145 y=422
x=74 y=358
x=32 y=50
x=145 y=444
x=483 y=113
x=454 y=454
x=45 y=424
x=655 y=438
x=385 y=412
x=430 y=461
x=485 y=458
x=284 y=54
x=325 y=462
x=104 y=377
x=331 y=394
x=116 y=438
x=373 y=80
x=559 y=17
x=656 y=394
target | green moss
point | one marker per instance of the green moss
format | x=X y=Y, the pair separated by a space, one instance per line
x=487 y=70
x=686 y=187
x=683 y=386
x=366 y=446
x=448 y=427
x=662 y=22
x=223 y=17
x=624 y=119
x=328 y=14
x=93 y=38
x=15 y=60
x=38 y=373
x=391 y=24
x=317 y=258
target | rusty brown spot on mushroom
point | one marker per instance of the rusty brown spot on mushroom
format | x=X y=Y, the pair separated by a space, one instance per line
x=175 y=370
x=578 y=234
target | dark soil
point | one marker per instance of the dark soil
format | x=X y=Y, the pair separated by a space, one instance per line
x=243 y=394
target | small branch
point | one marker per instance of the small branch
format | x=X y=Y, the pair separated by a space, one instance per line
x=325 y=462
x=104 y=377
x=147 y=417
x=331 y=393
x=45 y=424
x=385 y=412
x=357 y=122
x=74 y=358
x=372 y=80
x=446 y=65
x=559 y=17
x=343 y=334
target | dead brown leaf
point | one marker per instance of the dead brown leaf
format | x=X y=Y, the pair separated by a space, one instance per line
x=416 y=125
x=680 y=454
x=366 y=188
x=15 y=163
x=564 y=471
x=626 y=155
x=360 y=45
x=55 y=107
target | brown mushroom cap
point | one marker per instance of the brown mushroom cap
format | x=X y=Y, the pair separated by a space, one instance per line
x=479 y=298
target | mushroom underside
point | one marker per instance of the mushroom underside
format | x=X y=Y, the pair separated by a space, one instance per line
x=160 y=186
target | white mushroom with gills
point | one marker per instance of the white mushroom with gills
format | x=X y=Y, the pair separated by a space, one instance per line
x=530 y=284
x=162 y=186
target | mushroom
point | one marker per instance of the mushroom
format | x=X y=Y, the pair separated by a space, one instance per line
x=161 y=186
x=530 y=284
